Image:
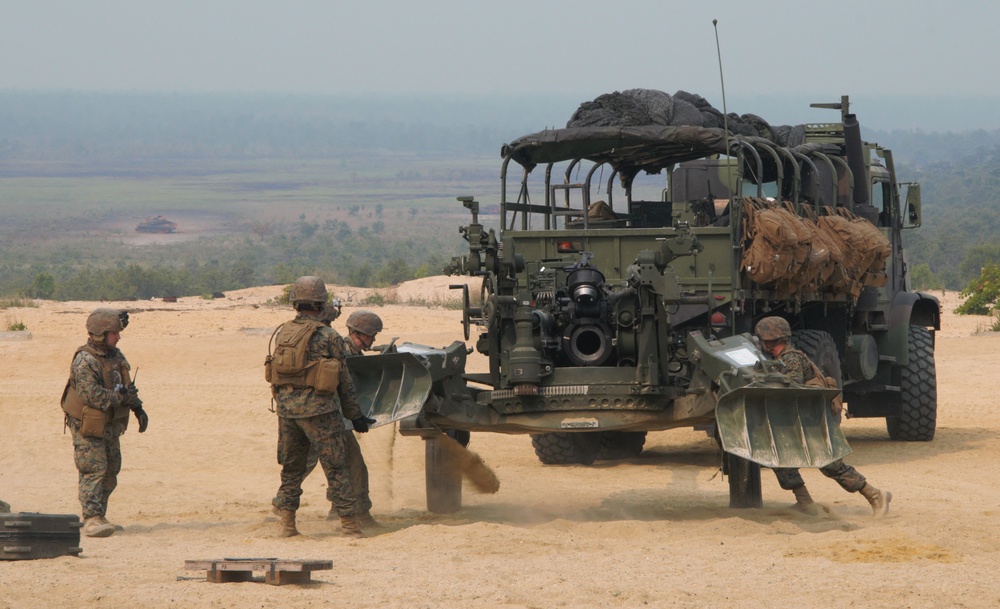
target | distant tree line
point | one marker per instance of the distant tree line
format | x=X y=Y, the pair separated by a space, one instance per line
x=206 y=266
x=960 y=234
x=959 y=174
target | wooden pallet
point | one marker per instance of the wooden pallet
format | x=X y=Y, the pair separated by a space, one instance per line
x=277 y=572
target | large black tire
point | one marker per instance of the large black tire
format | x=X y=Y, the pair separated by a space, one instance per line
x=443 y=477
x=822 y=350
x=562 y=448
x=919 y=388
x=744 y=482
x=621 y=445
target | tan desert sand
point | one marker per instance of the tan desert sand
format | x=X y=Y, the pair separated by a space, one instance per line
x=654 y=531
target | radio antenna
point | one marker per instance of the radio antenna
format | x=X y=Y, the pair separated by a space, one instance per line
x=722 y=83
x=734 y=222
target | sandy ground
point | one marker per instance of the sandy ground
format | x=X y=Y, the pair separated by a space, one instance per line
x=653 y=531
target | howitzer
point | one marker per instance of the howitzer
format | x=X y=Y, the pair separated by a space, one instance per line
x=759 y=414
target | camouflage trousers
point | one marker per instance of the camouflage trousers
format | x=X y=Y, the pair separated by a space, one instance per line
x=846 y=476
x=98 y=460
x=295 y=439
x=356 y=468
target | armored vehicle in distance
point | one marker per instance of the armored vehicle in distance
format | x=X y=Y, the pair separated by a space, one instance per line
x=156 y=224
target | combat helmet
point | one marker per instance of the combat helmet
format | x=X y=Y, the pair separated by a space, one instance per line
x=365 y=322
x=106 y=319
x=773 y=328
x=308 y=289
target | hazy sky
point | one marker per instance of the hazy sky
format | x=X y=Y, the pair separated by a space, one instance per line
x=471 y=47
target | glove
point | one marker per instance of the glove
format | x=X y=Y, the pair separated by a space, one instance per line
x=121 y=390
x=361 y=424
x=142 y=417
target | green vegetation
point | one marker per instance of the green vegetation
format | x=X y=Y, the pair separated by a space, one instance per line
x=961 y=217
x=358 y=191
x=240 y=225
x=982 y=294
x=380 y=298
x=17 y=302
x=15 y=325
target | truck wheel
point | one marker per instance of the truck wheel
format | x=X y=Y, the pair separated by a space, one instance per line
x=621 y=445
x=822 y=350
x=744 y=482
x=443 y=477
x=919 y=389
x=561 y=448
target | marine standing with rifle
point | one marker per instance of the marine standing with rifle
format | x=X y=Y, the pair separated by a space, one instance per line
x=97 y=399
x=313 y=390
x=775 y=335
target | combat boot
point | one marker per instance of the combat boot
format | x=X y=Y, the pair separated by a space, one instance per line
x=349 y=527
x=286 y=518
x=367 y=522
x=804 y=501
x=332 y=514
x=879 y=500
x=98 y=526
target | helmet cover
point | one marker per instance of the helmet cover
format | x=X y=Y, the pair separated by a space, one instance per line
x=365 y=322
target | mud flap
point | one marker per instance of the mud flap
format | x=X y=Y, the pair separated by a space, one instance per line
x=390 y=387
x=780 y=427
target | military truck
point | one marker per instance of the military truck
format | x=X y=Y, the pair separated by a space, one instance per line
x=606 y=313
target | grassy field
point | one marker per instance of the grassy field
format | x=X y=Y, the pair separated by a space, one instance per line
x=63 y=219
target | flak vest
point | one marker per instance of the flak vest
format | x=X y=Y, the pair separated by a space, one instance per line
x=93 y=420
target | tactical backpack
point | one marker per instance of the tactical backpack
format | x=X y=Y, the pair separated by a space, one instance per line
x=776 y=245
x=288 y=363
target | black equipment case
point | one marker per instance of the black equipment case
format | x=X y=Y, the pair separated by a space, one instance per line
x=27 y=535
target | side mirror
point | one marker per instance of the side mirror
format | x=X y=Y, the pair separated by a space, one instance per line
x=911 y=217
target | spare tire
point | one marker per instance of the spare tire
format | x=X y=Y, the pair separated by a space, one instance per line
x=562 y=448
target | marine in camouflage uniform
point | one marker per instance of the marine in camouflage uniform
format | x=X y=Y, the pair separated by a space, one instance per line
x=775 y=335
x=99 y=388
x=356 y=467
x=308 y=419
x=362 y=327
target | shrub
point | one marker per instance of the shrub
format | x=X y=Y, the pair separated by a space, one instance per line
x=17 y=302
x=982 y=293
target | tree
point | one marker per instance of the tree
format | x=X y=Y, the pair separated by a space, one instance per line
x=262 y=229
x=982 y=293
x=923 y=278
x=42 y=286
x=393 y=272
